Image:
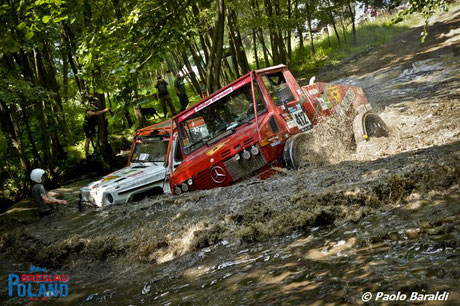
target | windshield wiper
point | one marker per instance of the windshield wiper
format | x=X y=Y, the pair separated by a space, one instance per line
x=194 y=144
x=245 y=121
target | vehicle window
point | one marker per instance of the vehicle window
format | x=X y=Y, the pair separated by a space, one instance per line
x=277 y=87
x=177 y=153
x=227 y=113
x=151 y=149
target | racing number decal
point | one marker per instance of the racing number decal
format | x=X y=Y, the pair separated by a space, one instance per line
x=301 y=119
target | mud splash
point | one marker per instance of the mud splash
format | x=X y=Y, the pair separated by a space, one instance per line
x=420 y=105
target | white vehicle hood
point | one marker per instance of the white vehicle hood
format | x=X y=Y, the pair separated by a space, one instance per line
x=122 y=181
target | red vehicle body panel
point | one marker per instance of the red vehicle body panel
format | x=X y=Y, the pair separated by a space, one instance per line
x=267 y=131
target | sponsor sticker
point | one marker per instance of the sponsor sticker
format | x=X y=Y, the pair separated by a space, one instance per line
x=216 y=148
x=109 y=178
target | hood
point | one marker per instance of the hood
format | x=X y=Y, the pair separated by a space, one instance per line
x=134 y=175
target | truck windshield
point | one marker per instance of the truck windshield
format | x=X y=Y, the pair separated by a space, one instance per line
x=223 y=114
x=149 y=149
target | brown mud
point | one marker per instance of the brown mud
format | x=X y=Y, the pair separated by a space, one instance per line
x=377 y=215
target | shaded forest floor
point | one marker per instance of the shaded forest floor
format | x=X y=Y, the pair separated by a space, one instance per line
x=384 y=217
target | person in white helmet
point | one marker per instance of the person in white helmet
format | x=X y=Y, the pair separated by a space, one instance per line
x=39 y=194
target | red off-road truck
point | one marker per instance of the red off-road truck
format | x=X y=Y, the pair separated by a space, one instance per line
x=252 y=124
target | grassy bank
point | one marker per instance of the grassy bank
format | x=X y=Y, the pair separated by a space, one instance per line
x=328 y=52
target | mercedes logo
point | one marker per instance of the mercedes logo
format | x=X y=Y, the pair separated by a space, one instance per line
x=218 y=174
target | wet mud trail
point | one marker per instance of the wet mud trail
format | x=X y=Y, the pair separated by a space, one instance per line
x=381 y=217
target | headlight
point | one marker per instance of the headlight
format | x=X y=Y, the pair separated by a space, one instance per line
x=246 y=154
x=255 y=150
x=190 y=181
x=177 y=190
x=184 y=187
x=237 y=157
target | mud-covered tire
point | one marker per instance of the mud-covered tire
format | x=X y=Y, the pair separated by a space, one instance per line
x=293 y=151
x=86 y=206
x=375 y=126
x=367 y=125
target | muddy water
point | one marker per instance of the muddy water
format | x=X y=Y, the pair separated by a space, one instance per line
x=330 y=264
x=382 y=217
x=319 y=234
x=411 y=247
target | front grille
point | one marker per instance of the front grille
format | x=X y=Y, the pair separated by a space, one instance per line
x=225 y=153
x=242 y=168
x=248 y=141
x=203 y=179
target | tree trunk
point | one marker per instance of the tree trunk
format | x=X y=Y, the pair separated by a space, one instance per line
x=102 y=134
x=289 y=47
x=254 y=41
x=279 y=34
x=237 y=41
x=272 y=32
x=192 y=75
x=343 y=29
x=259 y=33
x=264 y=48
x=9 y=125
x=198 y=61
x=52 y=84
x=204 y=45
x=65 y=74
x=354 y=40
x=36 y=155
x=71 y=50
x=312 y=45
x=215 y=57
x=331 y=17
x=47 y=159
x=233 y=55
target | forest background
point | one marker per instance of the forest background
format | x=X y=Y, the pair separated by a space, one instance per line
x=56 y=54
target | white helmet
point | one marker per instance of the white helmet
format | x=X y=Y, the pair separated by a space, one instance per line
x=36 y=175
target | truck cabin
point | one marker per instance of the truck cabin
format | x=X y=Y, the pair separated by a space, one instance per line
x=236 y=131
x=150 y=145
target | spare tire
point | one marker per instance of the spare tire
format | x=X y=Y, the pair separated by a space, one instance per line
x=366 y=125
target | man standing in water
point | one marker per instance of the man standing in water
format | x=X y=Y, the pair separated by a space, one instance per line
x=179 y=86
x=91 y=121
x=40 y=196
x=163 y=93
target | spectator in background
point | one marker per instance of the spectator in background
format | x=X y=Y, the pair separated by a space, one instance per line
x=163 y=93
x=91 y=121
x=203 y=89
x=179 y=86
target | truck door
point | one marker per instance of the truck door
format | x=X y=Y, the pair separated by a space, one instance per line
x=175 y=157
x=282 y=91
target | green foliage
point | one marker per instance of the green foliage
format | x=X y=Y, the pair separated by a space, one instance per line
x=426 y=8
x=328 y=52
x=17 y=90
x=34 y=16
x=116 y=48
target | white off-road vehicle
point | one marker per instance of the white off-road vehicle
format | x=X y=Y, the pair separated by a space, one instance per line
x=145 y=175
